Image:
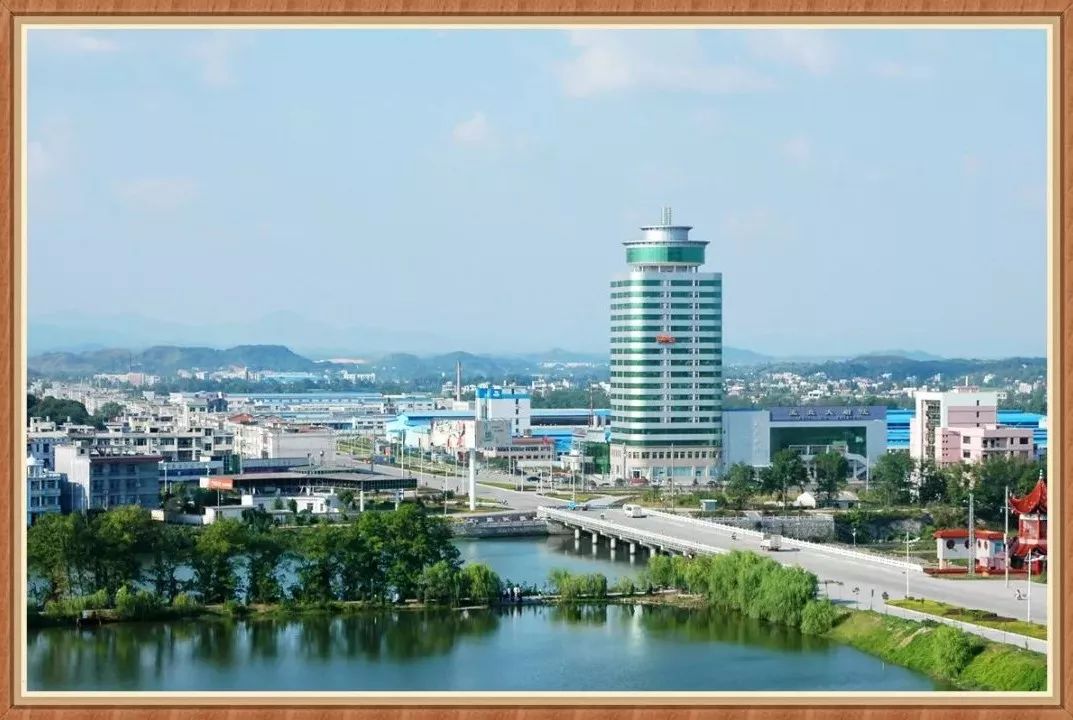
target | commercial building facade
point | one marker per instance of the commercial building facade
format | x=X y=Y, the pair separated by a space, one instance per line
x=962 y=425
x=666 y=360
x=857 y=432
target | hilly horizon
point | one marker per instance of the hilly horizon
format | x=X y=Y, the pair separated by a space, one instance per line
x=166 y=360
x=322 y=340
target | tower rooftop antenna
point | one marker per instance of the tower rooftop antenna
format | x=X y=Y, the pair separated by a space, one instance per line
x=666 y=214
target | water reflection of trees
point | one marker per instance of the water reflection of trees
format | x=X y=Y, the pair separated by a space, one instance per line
x=574 y=614
x=120 y=657
x=399 y=636
x=691 y=625
x=710 y=625
x=143 y=655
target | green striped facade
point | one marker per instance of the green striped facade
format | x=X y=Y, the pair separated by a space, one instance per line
x=667 y=393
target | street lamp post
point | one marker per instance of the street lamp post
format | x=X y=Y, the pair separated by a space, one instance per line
x=907 y=543
x=854 y=538
x=1028 y=578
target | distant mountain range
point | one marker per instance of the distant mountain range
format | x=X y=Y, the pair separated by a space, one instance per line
x=75 y=333
x=166 y=360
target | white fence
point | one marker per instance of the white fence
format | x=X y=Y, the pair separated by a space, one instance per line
x=818 y=547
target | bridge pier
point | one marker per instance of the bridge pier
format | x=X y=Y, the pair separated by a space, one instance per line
x=633 y=549
x=612 y=542
x=595 y=537
x=577 y=533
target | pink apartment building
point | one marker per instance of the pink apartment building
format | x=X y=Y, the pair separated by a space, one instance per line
x=962 y=426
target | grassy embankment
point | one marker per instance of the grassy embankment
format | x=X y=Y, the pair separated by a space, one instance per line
x=976 y=617
x=943 y=652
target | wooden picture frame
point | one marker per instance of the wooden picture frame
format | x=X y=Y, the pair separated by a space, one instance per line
x=14 y=13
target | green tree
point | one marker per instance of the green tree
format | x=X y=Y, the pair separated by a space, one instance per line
x=741 y=484
x=346 y=499
x=831 y=471
x=480 y=583
x=318 y=567
x=661 y=571
x=956 y=481
x=107 y=412
x=362 y=559
x=215 y=552
x=439 y=583
x=58 y=549
x=787 y=470
x=991 y=478
x=892 y=475
x=411 y=540
x=818 y=617
x=265 y=549
x=170 y=547
x=120 y=536
x=931 y=483
x=60 y=410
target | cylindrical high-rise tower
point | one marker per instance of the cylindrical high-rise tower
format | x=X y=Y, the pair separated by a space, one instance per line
x=666 y=360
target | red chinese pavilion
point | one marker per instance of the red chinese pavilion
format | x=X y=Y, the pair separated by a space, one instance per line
x=1031 y=541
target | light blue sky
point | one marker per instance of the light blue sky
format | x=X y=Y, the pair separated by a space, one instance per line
x=862 y=190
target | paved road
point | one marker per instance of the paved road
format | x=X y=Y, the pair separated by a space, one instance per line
x=852 y=573
x=510 y=499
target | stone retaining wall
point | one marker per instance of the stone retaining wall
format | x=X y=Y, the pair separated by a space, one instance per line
x=820 y=528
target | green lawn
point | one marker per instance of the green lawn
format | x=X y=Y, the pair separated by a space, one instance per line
x=976 y=617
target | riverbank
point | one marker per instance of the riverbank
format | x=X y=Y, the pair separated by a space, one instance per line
x=943 y=652
x=975 y=617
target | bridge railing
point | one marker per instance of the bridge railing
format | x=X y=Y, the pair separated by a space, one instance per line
x=629 y=533
x=818 y=547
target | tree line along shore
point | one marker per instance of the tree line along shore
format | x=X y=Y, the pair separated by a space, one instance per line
x=122 y=565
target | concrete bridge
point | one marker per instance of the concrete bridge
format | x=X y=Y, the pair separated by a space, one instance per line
x=630 y=537
x=845 y=575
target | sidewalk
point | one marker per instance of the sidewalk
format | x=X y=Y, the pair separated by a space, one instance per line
x=1021 y=641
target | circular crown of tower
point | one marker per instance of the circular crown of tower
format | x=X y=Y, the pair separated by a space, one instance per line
x=665 y=244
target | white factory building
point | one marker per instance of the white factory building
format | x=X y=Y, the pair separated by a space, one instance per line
x=858 y=432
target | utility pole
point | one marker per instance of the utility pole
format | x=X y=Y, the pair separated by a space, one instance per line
x=1006 y=534
x=972 y=538
x=672 y=477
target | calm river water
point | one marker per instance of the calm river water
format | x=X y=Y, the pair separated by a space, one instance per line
x=593 y=648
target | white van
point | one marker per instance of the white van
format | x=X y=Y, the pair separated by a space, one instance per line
x=635 y=511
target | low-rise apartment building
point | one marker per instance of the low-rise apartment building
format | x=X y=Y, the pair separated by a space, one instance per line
x=102 y=478
x=43 y=490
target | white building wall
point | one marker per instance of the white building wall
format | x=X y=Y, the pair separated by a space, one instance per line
x=746 y=438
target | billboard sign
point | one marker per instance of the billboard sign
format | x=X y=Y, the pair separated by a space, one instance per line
x=828 y=413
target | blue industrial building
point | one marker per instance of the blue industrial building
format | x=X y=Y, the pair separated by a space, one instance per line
x=898 y=427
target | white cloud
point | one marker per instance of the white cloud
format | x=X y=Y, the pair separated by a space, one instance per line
x=215 y=52
x=76 y=42
x=811 y=50
x=615 y=60
x=798 y=150
x=473 y=131
x=158 y=194
x=897 y=70
x=49 y=149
